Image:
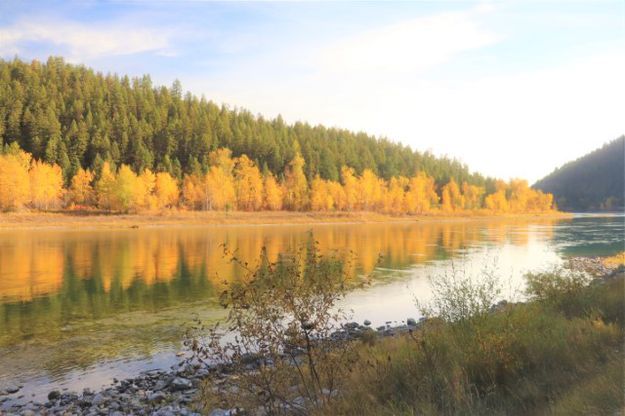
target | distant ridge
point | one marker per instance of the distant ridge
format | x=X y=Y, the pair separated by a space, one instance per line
x=594 y=182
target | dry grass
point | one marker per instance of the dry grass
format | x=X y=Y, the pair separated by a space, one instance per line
x=615 y=260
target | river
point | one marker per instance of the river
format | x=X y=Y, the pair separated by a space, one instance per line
x=79 y=308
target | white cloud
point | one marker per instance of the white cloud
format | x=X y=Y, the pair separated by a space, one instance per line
x=79 y=41
x=409 y=46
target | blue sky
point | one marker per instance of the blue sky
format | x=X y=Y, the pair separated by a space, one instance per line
x=514 y=89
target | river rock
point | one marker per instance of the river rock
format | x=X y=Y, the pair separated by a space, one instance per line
x=54 y=395
x=220 y=412
x=411 y=322
x=12 y=389
x=367 y=322
x=179 y=384
x=157 y=397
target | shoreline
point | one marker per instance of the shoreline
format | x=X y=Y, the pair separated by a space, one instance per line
x=95 y=220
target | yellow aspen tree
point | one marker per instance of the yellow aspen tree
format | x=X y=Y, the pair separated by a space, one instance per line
x=421 y=196
x=128 y=190
x=248 y=185
x=144 y=197
x=166 y=190
x=272 y=193
x=395 y=196
x=81 y=192
x=472 y=196
x=337 y=193
x=46 y=185
x=350 y=186
x=369 y=190
x=320 y=197
x=14 y=179
x=295 y=185
x=451 y=198
x=497 y=201
x=519 y=194
x=105 y=188
x=219 y=189
x=192 y=191
x=222 y=158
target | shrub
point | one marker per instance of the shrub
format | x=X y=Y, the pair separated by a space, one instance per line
x=282 y=315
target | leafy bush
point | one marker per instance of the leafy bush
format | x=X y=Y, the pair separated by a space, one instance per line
x=283 y=354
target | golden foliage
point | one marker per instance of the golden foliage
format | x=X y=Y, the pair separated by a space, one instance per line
x=165 y=191
x=295 y=185
x=237 y=183
x=81 y=190
x=272 y=195
x=14 y=180
x=46 y=185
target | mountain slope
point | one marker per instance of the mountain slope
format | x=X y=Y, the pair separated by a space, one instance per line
x=75 y=117
x=592 y=182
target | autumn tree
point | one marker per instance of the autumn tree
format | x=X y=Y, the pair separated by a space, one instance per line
x=370 y=190
x=497 y=201
x=295 y=185
x=421 y=196
x=451 y=197
x=128 y=191
x=320 y=196
x=165 y=190
x=105 y=187
x=394 y=201
x=46 y=185
x=337 y=193
x=146 y=184
x=81 y=190
x=272 y=193
x=248 y=185
x=219 y=191
x=193 y=192
x=350 y=186
x=472 y=195
x=14 y=178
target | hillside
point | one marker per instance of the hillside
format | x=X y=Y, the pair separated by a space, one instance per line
x=592 y=182
x=75 y=117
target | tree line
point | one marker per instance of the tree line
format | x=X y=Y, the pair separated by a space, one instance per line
x=76 y=118
x=237 y=183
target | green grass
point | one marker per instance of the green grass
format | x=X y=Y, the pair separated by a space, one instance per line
x=560 y=354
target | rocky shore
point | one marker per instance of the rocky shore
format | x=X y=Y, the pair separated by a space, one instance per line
x=159 y=392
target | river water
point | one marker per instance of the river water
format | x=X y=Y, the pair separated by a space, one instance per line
x=79 y=308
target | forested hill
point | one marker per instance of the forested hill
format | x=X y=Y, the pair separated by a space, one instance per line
x=592 y=182
x=75 y=117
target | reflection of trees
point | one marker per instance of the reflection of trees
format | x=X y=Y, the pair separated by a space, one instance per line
x=49 y=279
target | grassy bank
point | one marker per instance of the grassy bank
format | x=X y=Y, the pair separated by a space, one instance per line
x=92 y=219
x=561 y=354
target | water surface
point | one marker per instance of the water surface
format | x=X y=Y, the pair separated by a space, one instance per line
x=78 y=308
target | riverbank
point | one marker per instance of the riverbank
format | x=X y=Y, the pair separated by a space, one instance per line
x=98 y=220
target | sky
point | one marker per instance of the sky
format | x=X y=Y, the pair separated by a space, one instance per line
x=511 y=88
